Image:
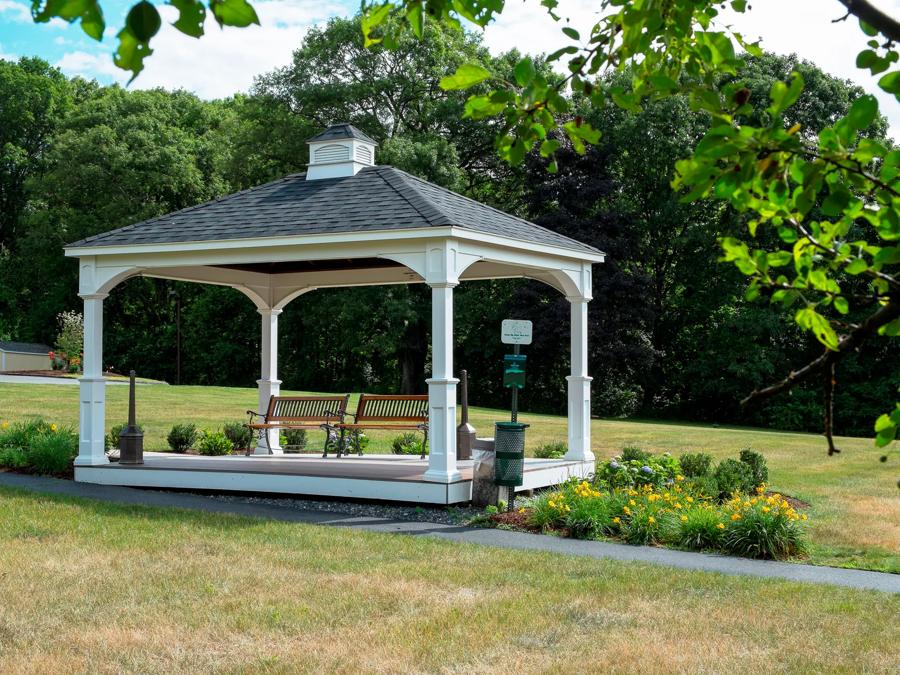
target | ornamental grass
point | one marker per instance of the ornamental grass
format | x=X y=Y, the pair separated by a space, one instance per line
x=750 y=525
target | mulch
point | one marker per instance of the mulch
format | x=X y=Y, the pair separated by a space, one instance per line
x=793 y=501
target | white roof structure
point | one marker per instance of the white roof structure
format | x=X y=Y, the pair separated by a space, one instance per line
x=345 y=222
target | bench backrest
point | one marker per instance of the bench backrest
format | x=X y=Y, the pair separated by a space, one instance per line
x=307 y=408
x=391 y=408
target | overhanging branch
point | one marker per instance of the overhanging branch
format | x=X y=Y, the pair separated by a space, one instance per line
x=886 y=24
x=848 y=343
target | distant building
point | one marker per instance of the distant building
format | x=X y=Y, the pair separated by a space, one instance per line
x=23 y=356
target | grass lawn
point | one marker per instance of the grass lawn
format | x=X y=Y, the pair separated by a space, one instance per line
x=855 y=514
x=90 y=587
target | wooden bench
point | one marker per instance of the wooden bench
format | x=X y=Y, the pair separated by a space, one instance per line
x=378 y=411
x=302 y=412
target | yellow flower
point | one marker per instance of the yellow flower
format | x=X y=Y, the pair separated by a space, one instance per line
x=760 y=489
x=52 y=427
x=679 y=478
x=551 y=504
x=803 y=517
x=735 y=516
x=720 y=526
x=617 y=520
x=683 y=519
x=5 y=425
x=651 y=520
x=522 y=510
x=766 y=509
x=690 y=500
x=626 y=510
x=631 y=502
x=677 y=505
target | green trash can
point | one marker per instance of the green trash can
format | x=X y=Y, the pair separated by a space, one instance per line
x=509 y=459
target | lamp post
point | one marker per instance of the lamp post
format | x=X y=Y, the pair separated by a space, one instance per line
x=177 y=298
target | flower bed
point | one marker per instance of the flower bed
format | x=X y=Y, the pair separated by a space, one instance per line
x=37 y=447
x=646 y=500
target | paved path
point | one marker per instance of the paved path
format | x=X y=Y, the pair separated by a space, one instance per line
x=861 y=579
x=37 y=379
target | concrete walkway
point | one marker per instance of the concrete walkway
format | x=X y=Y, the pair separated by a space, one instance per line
x=859 y=579
x=37 y=379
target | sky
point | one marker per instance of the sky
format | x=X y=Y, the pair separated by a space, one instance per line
x=224 y=62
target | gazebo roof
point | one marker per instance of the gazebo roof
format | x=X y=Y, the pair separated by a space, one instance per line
x=339 y=132
x=376 y=199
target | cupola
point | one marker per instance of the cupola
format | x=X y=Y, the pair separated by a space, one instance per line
x=340 y=150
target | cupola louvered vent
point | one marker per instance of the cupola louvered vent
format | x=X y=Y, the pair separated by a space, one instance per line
x=341 y=150
x=364 y=154
x=331 y=153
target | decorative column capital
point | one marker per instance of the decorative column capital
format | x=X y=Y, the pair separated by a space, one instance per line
x=574 y=299
x=443 y=284
x=93 y=296
x=269 y=311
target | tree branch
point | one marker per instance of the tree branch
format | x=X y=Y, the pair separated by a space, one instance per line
x=886 y=25
x=848 y=343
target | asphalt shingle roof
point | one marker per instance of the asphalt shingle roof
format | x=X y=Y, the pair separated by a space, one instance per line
x=24 y=347
x=377 y=198
x=340 y=132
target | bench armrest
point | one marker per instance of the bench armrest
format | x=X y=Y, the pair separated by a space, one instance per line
x=253 y=414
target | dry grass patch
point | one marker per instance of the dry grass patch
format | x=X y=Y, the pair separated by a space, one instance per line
x=109 y=589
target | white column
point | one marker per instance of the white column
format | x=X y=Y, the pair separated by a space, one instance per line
x=579 y=386
x=442 y=388
x=269 y=385
x=92 y=417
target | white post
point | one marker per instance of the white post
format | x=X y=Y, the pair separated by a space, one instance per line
x=579 y=386
x=442 y=388
x=92 y=417
x=268 y=383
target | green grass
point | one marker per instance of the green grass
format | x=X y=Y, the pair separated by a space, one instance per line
x=855 y=514
x=99 y=588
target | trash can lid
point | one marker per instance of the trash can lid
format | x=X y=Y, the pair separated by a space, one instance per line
x=513 y=426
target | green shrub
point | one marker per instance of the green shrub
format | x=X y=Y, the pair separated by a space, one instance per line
x=757 y=533
x=733 y=476
x=213 y=443
x=294 y=440
x=22 y=434
x=182 y=437
x=240 y=436
x=407 y=444
x=112 y=438
x=656 y=470
x=53 y=453
x=591 y=518
x=13 y=458
x=553 y=450
x=695 y=464
x=646 y=527
x=703 y=486
x=548 y=510
x=759 y=471
x=632 y=454
x=699 y=528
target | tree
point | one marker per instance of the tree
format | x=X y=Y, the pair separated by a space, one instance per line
x=832 y=198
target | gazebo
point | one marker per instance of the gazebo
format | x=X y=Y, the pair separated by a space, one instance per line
x=344 y=222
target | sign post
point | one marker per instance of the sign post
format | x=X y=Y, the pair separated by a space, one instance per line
x=509 y=437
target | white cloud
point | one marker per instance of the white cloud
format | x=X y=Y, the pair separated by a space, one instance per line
x=225 y=61
x=17 y=12
x=804 y=27
x=90 y=65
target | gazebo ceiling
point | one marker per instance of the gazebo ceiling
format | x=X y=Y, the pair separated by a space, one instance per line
x=377 y=199
x=300 y=266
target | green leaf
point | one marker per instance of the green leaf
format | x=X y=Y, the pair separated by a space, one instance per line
x=131 y=53
x=891 y=83
x=237 y=13
x=416 y=18
x=811 y=320
x=868 y=29
x=862 y=112
x=524 y=72
x=891 y=329
x=371 y=19
x=143 y=21
x=88 y=11
x=841 y=305
x=857 y=266
x=191 y=16
x=467 y=75
x=571 y=32
x=784 y=95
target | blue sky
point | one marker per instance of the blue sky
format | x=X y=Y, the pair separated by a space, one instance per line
x=224 y=62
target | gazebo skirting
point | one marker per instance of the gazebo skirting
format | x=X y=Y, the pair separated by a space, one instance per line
x=382 y=477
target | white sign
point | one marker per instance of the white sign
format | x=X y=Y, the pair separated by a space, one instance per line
x=514 y=332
